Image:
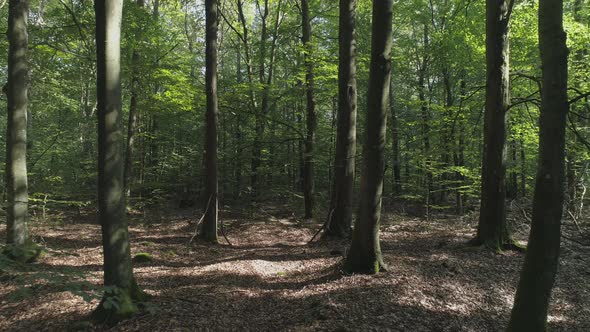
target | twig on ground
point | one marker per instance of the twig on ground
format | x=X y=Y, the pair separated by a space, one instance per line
x=576 y=223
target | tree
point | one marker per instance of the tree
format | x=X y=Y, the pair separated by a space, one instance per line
x=492 y=230
x=365 y=255
x=540 y=265
x=311 y=119
x=340 y=215
x=122 y=292
x=132 y=123
x=16 y=132
x=209 y=229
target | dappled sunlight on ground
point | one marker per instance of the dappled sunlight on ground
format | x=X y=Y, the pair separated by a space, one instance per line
x=271 y=279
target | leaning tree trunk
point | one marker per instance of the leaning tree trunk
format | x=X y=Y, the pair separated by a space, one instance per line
x=311 y=121
x=492 y=230
x=16 y=130
x=540 y=265
x=365 y=255
x=209 y=229
x=340 y=214
x=118 y=274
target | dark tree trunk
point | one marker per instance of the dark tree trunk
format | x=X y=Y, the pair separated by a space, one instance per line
x=365 y=255
x=425 y=115
x=133 y=114
x=16 y=129
x=522 y=168
x=118 y=273
x=492 y=230
x=209 y=228
x=540 y=265
x=397 y=176
x=344 y=170
x=311 y=119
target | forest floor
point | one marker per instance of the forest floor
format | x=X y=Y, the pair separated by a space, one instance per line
x=270 y=279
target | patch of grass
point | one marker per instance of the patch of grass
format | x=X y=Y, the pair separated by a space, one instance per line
x=143 y=257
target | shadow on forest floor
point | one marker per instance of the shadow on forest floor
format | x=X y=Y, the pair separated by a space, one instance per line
x=271 y=279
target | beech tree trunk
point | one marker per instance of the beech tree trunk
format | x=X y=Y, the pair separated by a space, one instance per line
x=311 y=120
x=540 y=265
x=16 y=128
x=365 y=255
x=118 y=273
x=492 y=230
x=341 y=205
x=209 y=228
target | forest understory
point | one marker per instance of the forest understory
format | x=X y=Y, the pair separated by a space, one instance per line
x=271 y=279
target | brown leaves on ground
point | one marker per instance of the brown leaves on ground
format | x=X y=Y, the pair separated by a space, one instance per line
x=270 y=279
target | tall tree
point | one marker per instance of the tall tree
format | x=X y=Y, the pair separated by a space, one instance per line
x=365 y=255
x=492 y=230
x=311 y=119
x=133 y=114
x=209 y=229
x=540 y=265
x=396 y=162
x=16 y=129
x=122 y=288
x=340 y=215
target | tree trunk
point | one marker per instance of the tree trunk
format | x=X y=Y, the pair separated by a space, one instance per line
x=16 y=130
x=209 y=228
x=492 y=230
x=540 y=265
x=365 y=255
x=397 y=176
x=133 y=114
x=311 y=120
x=118 y=273
x=341 y=205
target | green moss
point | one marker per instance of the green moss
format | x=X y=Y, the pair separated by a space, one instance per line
x=27 y=253
x=118 y=304
x=143 y=257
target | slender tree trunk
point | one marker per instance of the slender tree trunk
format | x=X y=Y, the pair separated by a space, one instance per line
x=540 y=265
x=459 y=157
x=118 y=273
x=492 y=230
x=365 y=255
x=238 y=135
x=133 y=114
x=16 y=129
x=425 y=115
x=522 y=168
x=209 y=229
x=397 y=176
x=311 y=119
x=344 y=164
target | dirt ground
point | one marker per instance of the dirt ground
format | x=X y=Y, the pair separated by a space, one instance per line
x=270 y=279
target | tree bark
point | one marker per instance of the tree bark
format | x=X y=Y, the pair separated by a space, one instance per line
x=540 y=265
x=340 y=214
x=16 y=129
x=365 y=255
x=209 y=229
x=311 y=119
x=118 y=273
x=492 y=230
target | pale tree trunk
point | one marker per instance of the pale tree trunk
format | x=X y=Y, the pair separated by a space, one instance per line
x=340 y=214
x=311 y=118
x=118 y=273
x=16 y=129
x=365 y=255
x=542 y=258
x=209 y=228
x=492 y=230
